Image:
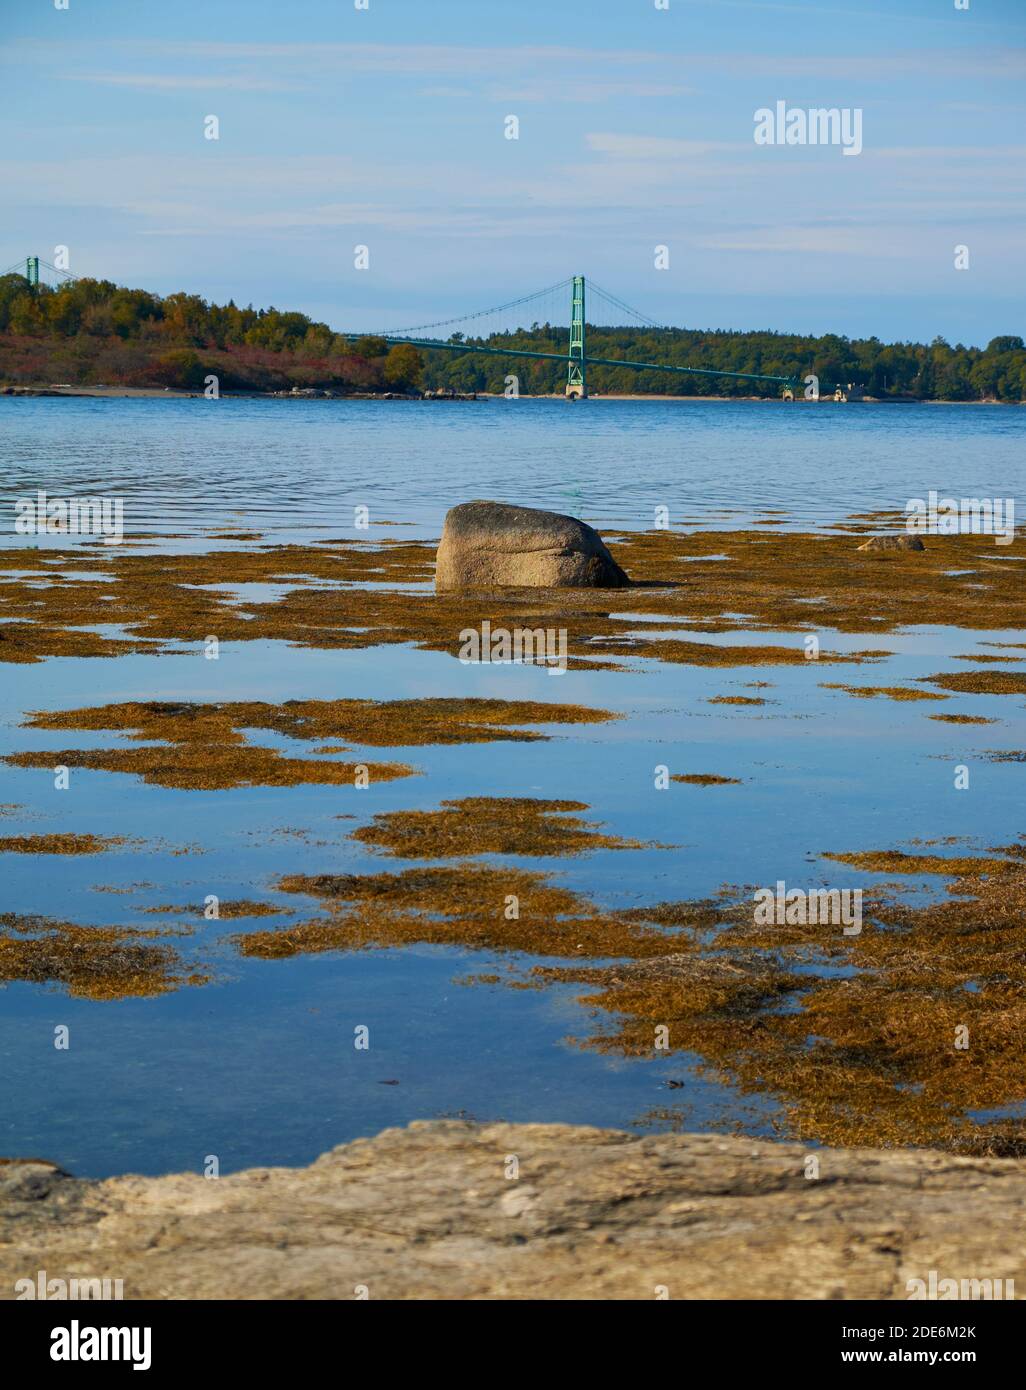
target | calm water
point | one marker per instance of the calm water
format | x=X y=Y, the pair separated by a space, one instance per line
x=303 y=465
x=259 y=1066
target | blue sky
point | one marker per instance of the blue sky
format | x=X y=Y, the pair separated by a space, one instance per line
x=385 y=127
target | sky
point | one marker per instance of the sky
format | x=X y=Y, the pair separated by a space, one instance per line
x=386 y=126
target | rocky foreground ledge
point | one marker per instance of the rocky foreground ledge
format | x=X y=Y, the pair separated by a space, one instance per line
x=428 y=1212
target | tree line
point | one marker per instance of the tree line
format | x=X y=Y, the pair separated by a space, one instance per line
x=92 y=331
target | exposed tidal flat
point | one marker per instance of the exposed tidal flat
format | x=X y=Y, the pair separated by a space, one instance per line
x=364 y=806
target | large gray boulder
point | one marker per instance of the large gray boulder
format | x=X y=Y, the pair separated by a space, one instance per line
x=489 y=544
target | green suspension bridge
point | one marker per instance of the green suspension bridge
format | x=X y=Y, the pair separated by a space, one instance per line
x=576 y=356
x=483 y=328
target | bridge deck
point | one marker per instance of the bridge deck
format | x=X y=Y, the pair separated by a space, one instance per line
x=432 y=345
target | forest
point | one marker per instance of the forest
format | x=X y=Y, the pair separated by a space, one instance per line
x=92 y=332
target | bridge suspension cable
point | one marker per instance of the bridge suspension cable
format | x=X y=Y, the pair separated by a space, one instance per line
x=616 y=303
x=480 y=314
x=65 y=276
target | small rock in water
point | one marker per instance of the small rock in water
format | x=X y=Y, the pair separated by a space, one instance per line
x=488 y=544
x=893 y=543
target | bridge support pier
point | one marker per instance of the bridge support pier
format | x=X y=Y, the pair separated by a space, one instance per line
x=576 y=377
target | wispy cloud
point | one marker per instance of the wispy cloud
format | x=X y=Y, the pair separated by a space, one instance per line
x=832 y=62
x=966 y=154
x=824 y=240
x=585 y=92
x=149 y=81
x=657 y=146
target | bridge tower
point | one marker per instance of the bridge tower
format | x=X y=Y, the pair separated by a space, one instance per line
x=32 y=269
x=576 y=379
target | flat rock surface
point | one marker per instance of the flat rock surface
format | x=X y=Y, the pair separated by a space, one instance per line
x=429 y=1212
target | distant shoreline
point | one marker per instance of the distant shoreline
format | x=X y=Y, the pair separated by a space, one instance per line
x=44 y=390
